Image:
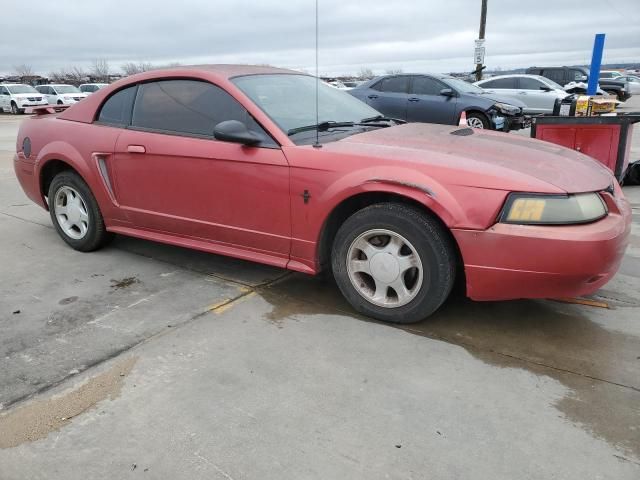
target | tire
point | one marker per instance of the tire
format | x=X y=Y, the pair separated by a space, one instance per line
x=475 y=120
x=84 y=229
x=15 y=110
x=420 y=241
x=59 y=102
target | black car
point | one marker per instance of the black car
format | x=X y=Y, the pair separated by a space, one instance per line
x=432 y=98
x=566 y=75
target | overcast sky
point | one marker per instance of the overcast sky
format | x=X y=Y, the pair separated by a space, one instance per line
x=418 y=35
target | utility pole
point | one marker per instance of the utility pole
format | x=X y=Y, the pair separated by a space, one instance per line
x=483 y=22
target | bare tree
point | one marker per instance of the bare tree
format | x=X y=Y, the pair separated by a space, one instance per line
x=393 y=71
x=23 y=70
x=365 y=73
x=100 y=70
x=131 y=68
x=58 y=76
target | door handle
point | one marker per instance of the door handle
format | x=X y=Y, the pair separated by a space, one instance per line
x=372 y=97
x=136 y=149
x=522 y=93
x=414 y=99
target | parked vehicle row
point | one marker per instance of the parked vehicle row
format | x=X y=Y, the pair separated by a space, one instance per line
x=16 y=97
x=566 y=75
x=440 y=99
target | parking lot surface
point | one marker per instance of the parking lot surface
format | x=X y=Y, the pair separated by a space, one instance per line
x=146 y=360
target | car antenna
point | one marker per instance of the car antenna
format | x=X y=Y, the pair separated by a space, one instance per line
x=317 y=144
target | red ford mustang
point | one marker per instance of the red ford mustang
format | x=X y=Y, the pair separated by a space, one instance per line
x=224 y=159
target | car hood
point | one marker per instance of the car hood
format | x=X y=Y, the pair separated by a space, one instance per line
x=482 y=159
x=77 y=94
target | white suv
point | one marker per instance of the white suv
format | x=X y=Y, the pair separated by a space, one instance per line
x=61 y=94
x=15 y=97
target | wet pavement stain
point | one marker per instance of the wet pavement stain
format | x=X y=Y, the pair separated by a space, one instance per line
x=36 y=419
x=599 y=366
x=124 y=283
x=67 y=301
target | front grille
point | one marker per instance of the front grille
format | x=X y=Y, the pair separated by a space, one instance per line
x=33 y=99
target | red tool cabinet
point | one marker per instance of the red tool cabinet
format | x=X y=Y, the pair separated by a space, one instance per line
x=605 y=138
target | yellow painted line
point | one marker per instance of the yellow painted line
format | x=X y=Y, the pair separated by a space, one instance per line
x=582 y=301
x=224 y=305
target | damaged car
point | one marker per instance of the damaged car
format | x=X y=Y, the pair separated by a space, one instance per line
x=431 y=98
x=237 y=160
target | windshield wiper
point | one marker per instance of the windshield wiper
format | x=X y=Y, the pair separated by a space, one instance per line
x=380 y=118
x=320 y=126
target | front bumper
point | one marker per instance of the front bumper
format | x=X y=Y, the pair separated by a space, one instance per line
x=507 y=123
x=31 y=104
x=524 y=261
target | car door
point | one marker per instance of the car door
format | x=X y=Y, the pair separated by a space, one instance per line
x=505 y=87
x=535 y=95
x=49 y=93
x=5 y=98
x=390 y=96
x=427 y=104
x=172 y=175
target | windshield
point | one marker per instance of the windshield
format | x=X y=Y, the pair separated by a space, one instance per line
x=462 y=86
x=290 y=100
x=21 y=89
x=551 y=83
x=66 y=89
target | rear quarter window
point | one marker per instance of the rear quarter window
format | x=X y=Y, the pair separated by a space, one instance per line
x=117 y=109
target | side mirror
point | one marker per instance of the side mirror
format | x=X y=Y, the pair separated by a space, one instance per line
x=447 y=92
x=236 y=132
x=546 y=88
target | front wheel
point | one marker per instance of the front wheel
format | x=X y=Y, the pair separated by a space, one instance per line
x=393 y=262
x=75 y=213
x=14 y=109
x=477 y=120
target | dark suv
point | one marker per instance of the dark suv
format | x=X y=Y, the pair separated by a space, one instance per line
x=565 y=75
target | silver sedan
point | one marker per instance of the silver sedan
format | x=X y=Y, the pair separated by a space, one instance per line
x=536 y=92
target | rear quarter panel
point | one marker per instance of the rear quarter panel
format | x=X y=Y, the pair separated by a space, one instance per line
x=73 y=143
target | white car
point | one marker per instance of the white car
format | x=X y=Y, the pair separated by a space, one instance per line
x=61 y=94
x=633 y=82
x=92 y=87
x=15 y=97
x=536 y=92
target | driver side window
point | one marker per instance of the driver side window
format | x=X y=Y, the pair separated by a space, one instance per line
x=187 y=107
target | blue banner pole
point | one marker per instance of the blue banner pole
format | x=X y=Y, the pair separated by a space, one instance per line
x=596 y=61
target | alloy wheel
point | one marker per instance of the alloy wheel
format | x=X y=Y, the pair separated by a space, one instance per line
x=384 y=268
x=71 y=212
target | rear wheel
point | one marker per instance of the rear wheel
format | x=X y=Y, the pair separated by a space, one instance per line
x=75 y=213
x=393 y=263
x=477 y=120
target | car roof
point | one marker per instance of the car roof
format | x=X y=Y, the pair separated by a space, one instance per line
x=14 y=84
x=511 y=75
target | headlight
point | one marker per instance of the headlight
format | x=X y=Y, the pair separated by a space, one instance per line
x=507 y=109
x=533 y=209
